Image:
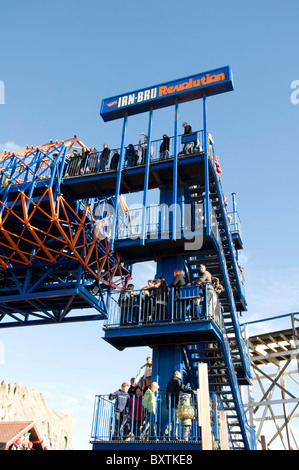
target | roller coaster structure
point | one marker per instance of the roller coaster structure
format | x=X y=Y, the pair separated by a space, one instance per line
x=51 y=254
x=56 y=258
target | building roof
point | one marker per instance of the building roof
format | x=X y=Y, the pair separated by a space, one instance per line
x=10 y=431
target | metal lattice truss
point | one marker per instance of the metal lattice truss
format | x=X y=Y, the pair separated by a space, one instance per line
x=32 y=165
x=53 y=254
x=274 y=399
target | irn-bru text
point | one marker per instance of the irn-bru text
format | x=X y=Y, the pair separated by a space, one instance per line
x=165 y=90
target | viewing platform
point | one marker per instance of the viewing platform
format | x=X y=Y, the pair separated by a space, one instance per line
x=190 y=314
x=139 y=431
x=84 y=177
x=163 y=315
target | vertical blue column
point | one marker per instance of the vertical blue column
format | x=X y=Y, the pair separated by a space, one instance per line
x=146 y=177
x=206 y=166
x=175 y=172
x=166 y=359
x=118 y=181
x=234 y=204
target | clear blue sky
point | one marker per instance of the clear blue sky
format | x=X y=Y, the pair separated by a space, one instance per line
x=59 y=59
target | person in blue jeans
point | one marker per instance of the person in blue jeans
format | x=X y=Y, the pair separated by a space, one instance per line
x=122 y=402
x=104 y=157
x=130 y=155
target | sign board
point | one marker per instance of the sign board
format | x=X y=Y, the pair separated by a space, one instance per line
x=159 y=96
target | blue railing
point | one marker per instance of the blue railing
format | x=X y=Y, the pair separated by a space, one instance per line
x=132 y=418
x=235 y=223
x=163 y=304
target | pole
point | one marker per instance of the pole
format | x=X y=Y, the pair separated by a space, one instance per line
x=206 y=166
x=175 y=172
x=146 y=177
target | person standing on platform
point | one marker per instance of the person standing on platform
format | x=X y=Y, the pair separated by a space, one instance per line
x=130 y=155
x=188 y=145
x=149 y=405
x=178 y=279
x=114 y=161
x=143 y=148
x=133 y=387
x=173 y=389
x=147 y=302
x=74 y=164
x=104 y=157
x=206 y=279
x=145 y=372
x=205 y=275
x=161 y=297
x=177 y=282
x=136 y=414
x=93 y=160
x=164 y=148
x=210 y=145
x=128 y=303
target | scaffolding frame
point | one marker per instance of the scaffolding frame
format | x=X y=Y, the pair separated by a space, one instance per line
x=273 y=397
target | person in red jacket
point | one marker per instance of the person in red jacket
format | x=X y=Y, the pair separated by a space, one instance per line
x=136 y=413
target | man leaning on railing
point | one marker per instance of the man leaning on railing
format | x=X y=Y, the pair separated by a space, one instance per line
x=128 y=302
x=173 y=389
x=121 y=409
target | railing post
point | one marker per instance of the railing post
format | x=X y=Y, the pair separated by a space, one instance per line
x=175 y=172
x=139 y=308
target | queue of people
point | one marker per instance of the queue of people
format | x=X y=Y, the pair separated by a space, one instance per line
x=192 y=301
x=90 y=160
x=136 y=406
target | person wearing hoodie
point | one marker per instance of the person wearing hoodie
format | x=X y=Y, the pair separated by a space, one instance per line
x=173 y=389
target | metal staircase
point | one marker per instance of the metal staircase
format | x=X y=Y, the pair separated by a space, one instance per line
x=228 y=360
x=222 y=383
x=219 y=257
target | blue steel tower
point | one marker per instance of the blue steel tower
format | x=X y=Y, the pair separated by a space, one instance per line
x=68 y=243
x=197 y=323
